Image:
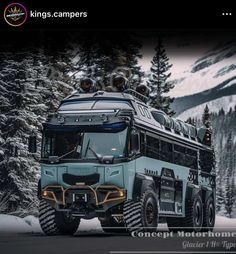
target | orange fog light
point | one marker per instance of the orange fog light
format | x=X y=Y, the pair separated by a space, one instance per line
x=45 y=193
x=121 y=193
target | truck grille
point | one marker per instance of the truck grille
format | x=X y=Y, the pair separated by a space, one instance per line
x=87 y=179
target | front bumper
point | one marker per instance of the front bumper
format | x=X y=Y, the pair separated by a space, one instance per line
x=84 y=199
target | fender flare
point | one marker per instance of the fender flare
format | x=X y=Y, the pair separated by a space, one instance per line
x=141 y=184
x=191 y=191
x=206 y=193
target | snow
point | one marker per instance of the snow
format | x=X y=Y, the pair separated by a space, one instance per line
x=92 y=225
x=204 y=79
x=215 y=105
x=10 y=223
x=225 y=223
x=30 y=224
x=232 y=82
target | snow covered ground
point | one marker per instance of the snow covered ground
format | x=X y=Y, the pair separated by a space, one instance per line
x=225 y=102
x=9 y=223
x=30 y=224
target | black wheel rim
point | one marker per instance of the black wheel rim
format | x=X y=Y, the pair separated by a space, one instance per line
x=197 y=214
x=211 y=214
x=150 y=213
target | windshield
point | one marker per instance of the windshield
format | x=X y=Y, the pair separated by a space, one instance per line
x=84 y=145
x=104 y=144
x=60 y=143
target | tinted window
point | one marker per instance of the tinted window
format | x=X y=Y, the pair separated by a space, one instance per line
x=166 y=151
x=152 y=147
x=185 y=156
x=207 y=161
x=179 y=155
x=143 y=143
x=180 y=149
x=159 y=117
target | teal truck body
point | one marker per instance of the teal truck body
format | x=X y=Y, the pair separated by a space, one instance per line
x=110 y=155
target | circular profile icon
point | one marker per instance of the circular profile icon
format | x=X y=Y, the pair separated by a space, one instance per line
x=15 y=14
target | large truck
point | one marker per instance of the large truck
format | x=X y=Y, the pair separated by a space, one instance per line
x=110 y=155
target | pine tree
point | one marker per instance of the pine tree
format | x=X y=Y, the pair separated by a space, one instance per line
x=129 y=54
x=28 y=94
x=221 y=112
x=229 y=182
x=158 y=81
x=229 y=194
x=206 y=117
x=18 y=168
x=219 y=191
x=101 y=54
x=191 y=121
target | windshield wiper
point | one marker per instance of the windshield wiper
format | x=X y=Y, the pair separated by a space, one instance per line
x=57 y=158
x=95 y=154
x=87 y=147
x=107 y=159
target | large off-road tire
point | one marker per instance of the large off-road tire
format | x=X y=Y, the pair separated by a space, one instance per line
x=110 y=225
x=56 y=223
x=193 y=219
x=174 y=224
x=209 y=215
x=142 y=215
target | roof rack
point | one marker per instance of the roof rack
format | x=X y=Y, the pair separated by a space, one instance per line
x=137 y=95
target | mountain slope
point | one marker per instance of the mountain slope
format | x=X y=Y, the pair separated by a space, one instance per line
x=212 y=76
x=225 y=102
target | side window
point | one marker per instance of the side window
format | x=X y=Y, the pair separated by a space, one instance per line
x=179 y=155
x=191 y=158
x=152 y=147
x=142 y=143
x=185 y=156
x=166 y=151
x=206 y=161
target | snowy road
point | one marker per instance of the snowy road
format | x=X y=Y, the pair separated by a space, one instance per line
x=91 y=239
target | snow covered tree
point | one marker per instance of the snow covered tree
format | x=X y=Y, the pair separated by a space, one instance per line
x=220 y=206
x=223 y=131
x=191 y=121
x=206 y=117
x=229 y=182
x=101 y=54
x=18 y=169
x=129 y=54
x=27 y=95
x=221 y=112
x=158 y=81
x=229 y=194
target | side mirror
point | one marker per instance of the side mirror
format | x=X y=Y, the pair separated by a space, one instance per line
x=134 y=143
x=32 y=144
x=107 y=159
